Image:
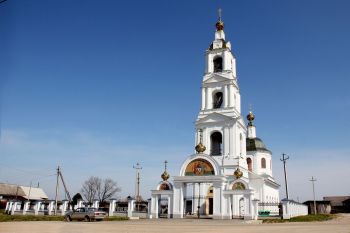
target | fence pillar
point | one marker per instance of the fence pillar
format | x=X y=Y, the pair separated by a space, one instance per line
x=8 y=207
x=37 y=207
x=25 y=207
x=64 y=207
x=80 y=203
x=15 y=207
x=286 y=209
x=130 y=207
x=95 y=203
x=255 y=209
x=51 y=207
x=111 y=206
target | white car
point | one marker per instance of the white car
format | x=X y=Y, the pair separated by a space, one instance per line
x=85 y=213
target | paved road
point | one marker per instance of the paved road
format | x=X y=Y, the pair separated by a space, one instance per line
x=339 y=225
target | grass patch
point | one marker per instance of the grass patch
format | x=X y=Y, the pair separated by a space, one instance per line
x=18 y=218
x=307 y=218
x=116 y=218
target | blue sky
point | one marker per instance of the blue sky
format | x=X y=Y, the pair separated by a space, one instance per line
x=95 y=86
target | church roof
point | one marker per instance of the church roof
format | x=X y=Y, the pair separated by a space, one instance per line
x=256 y=144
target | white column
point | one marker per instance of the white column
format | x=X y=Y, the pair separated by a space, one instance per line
x=179 y=201
x=226 y=148
x=224 y=62
x=206 y=98
x=217 y=202
x=154 y=206
x=226 y=96
x=170 y=204
x=203 y=98
x=248 y=206
x=230 y=96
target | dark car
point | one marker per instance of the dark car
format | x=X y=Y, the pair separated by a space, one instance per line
x=85 y=213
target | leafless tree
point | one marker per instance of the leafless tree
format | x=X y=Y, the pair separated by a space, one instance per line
x=96 y=188
x=107 y=189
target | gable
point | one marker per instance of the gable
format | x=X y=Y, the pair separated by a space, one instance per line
x=216 y=78
x=214 y=118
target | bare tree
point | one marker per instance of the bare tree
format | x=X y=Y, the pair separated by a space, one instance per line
x=96 y=188
x=107 y=189
x=89 y=188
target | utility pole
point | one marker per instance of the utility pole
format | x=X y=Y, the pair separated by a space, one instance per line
x=56 y=196
x=137 y=167
x=313 y=192
x=284 y=160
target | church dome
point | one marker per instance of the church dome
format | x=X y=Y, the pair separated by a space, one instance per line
x=256 y=144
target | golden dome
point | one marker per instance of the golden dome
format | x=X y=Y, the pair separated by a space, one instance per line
x=200 y=148
x=250 y=117
x=219 y=25
x=238 y=173
x=165 y=176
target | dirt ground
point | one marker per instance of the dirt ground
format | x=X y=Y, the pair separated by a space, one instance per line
x=339 y=225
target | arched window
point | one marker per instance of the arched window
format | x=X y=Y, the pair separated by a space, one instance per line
x=217 y=64
x=249 y=163
x=216 y=143
x=217 y=100
x=263 y=163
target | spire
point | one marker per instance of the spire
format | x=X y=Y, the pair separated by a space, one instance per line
x=220 y=24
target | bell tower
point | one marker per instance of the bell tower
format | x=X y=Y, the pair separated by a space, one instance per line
x=219 y=122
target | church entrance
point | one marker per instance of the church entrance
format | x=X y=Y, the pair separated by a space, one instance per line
x=241 y=207
x=210 y=206
x=209 y=201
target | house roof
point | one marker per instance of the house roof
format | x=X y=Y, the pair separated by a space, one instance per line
x=336 y=200
x=22 y=191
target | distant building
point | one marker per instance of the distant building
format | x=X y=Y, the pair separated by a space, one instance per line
x=12 y=191
x=340 y=204
x=322 y=207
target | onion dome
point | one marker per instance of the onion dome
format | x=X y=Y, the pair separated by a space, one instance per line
x=219 y=25
x=200 y=148
x=250 y=118
x=165 y=176
x=238 y=173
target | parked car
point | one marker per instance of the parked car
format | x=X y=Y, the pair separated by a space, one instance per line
x=85 y=213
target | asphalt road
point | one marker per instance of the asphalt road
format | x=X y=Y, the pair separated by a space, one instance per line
x=339 y=225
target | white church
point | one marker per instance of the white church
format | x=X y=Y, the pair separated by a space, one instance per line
x=231 y=171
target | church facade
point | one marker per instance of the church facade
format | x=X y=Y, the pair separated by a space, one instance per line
x=230 y=172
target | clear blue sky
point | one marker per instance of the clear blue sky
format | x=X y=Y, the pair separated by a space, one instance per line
x=95 y=86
